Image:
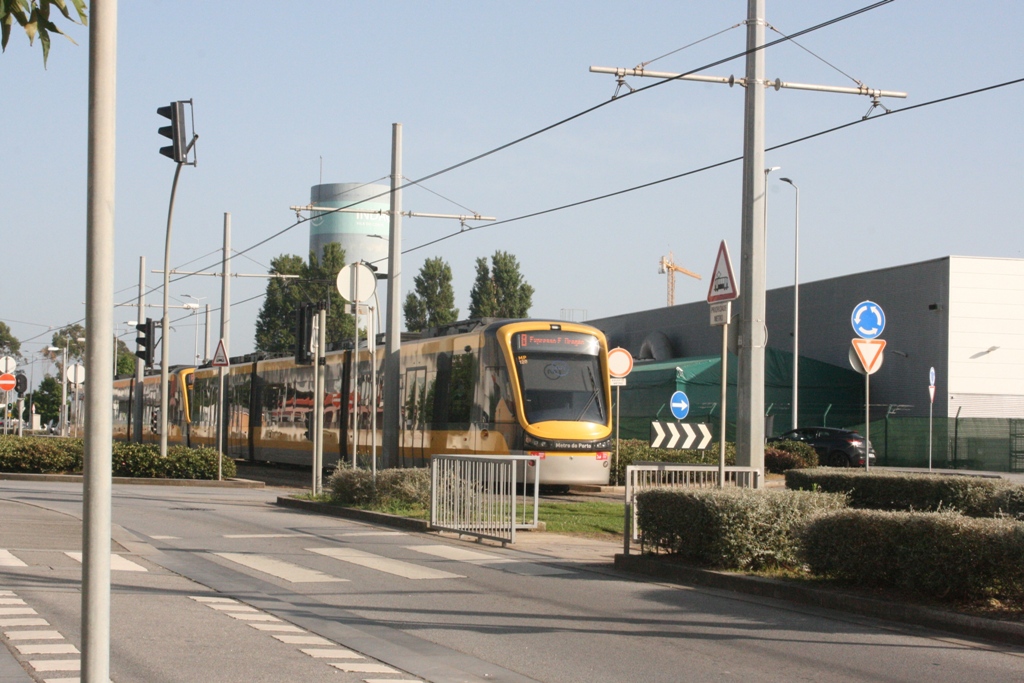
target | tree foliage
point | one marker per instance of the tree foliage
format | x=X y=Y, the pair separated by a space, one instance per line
x=432 y=302
x=67 y=337
x=46 y=399
x=275 y=325
x=125 y=359
x=34 y=16
x=9 y=344
x=500 y=291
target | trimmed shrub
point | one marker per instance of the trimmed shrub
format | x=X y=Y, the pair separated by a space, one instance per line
x=973 y=496
x=36 y=455
x=398 y=487
x=730 y=528
x=782 y=456
x=636 y=450
x=938 y=555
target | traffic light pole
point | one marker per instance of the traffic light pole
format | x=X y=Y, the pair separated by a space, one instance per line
x=140 y=366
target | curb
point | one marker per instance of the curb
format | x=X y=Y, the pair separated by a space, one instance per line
x=144 y=481
x=962 y=624
x=352 y=513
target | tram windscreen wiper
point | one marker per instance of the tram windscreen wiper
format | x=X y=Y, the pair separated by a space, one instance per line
x=594 y=395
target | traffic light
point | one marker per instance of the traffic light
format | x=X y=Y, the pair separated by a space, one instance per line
x=20 y=384
x=304 y=334
x=178 y=150
x=146 y=341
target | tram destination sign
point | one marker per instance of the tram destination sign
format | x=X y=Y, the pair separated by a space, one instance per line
x=556 y=341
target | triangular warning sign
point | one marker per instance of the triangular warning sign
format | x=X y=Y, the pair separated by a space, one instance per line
x=869 y=351
x=723 y=283
x=220 y=358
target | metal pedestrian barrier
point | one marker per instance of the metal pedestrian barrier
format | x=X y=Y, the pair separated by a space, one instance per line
x=477 y=494
x=641 y=476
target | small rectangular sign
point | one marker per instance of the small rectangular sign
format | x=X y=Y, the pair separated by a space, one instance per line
x=617 y=381
x=720 y=313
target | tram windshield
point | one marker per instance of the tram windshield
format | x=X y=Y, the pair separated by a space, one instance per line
x=560 y=376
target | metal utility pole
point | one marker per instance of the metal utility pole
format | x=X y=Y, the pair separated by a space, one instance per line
x=225 y=335
x=796 y=303
x=99 y=313
x=318 y=400
x=752 y=331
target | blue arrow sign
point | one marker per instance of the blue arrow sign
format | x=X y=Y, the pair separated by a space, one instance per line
x=680 y=405
x=868 y=320
x=931 y=376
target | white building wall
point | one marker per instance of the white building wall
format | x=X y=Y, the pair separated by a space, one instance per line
x=986 y=337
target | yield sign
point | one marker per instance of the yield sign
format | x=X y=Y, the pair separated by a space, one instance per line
x=723 y=282
x=869 y=351
x=220 y=358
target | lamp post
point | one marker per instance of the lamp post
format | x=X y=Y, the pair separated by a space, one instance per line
x=796 y=299
x=63 y=383
x=195 y=313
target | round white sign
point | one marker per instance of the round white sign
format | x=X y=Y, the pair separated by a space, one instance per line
x=76 y=373
x=620 y=362
x=7 y=364
x=356 y=283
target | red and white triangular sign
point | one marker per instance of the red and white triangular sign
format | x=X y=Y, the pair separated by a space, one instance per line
x=220 y=358
x=931 y=393
x=723 y=283
x=869 y=351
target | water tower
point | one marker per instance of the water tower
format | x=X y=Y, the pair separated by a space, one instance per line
x=364 y=234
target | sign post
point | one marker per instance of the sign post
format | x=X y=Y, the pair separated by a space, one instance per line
x=723 y=290
x=357 y=284
x=868 y=321
x=931 y=406
x=620 y=364
x=221 y=362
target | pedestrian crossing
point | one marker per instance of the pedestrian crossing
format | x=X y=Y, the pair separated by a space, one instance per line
x=51 y=660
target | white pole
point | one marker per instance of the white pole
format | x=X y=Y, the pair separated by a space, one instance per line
x=99 y=296
x=722 y=398
x=140 y=365
x=931 y=407
x=321 y=369
x=225 y=323
x=64 y=390
x=393 y=337
x=206 y=333
x=355 y=364
x=796 y=304
x=372 y=329
x=867 y=419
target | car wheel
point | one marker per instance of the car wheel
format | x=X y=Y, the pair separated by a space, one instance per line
x=838 y=459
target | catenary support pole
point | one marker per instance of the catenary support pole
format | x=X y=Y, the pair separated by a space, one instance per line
x=722 y=399
x=321 y=369
x=165 y=323
x=225 y=325
x=750 y=410
x=99 y=313
x=392 y=335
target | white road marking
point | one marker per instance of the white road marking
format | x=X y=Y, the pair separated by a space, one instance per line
x=308 y=639
x=292 y=573
x=165 y=538
x=24 y=622
x=373 y=533
x=387 y=680
x=279 y=628
x=246 y=616
x=265 y=535
x=118 y=563
x=357 y=667
x=33 y=635
x=7 y=594
x=9 y=560
x=332 y=654
x=47 y=649
x=76 y=679
x=11 y=601
x=220 y=607
x=460 y=554
x=11 y=611
x=206 y=599
x=384 y=564
x=56 y=664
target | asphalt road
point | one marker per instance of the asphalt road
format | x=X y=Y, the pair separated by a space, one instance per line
x=345 y=594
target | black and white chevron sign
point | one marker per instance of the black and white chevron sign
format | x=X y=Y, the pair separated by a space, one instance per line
x=680 y=435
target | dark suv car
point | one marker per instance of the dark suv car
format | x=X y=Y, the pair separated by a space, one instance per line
x=835 y=447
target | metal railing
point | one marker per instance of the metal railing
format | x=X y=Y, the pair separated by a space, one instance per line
x=641 y=476
x=476 y=494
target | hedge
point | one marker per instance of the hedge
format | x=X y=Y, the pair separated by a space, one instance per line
x=973 y=496
x=937 y=555
x=41 y=455
x=638 y=450
x=730 y=528
x=782 y=456
x=399 y=487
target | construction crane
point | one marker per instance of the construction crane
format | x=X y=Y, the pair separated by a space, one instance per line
x=668 y=265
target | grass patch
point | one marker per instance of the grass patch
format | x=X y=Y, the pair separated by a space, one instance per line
x=592 y=519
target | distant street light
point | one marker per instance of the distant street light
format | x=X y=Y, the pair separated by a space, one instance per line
x=195 y=312
x=796 y=298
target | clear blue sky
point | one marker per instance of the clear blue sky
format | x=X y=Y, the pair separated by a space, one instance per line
x=277 y=87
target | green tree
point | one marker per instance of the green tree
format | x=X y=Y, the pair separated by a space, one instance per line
x=34 y=17
x=125 y=359
x=500 y=291
x=275 y=324
x=46 y=399
x=67 y=337
x=9 y=344
x=433 y=301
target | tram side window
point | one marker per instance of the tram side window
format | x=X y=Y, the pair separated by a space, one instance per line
x=460 y=394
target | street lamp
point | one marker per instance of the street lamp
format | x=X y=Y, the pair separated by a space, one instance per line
x=796 y=298
x=63 y=384
x=195 y=312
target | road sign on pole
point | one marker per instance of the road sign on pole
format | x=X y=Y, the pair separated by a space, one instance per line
x=220 y=357
x=868 y=320
x=620 y=362
x=8 y=382
x=680 y=435
x=680 y=405
x=7 y=364
x=869 y=353
x=723 y=283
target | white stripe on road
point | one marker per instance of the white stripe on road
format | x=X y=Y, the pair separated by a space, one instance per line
x=278 y=628
x=11 y=611
x=264 y=535
x=237 y=607
x=24 y=622
x=320 y=653
x=460 y=554
x=282 y=570
x=11 y=601
x=118 y=563
x=248 y=616
x=384 y=564
x=354 y=667
x=56 y=664
x=33 y=635
x=307 y=639
x=76 y=679
x=372 y=533
x=165 y=538
x=206 y=599
x=9 y=560
x=48 y=649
